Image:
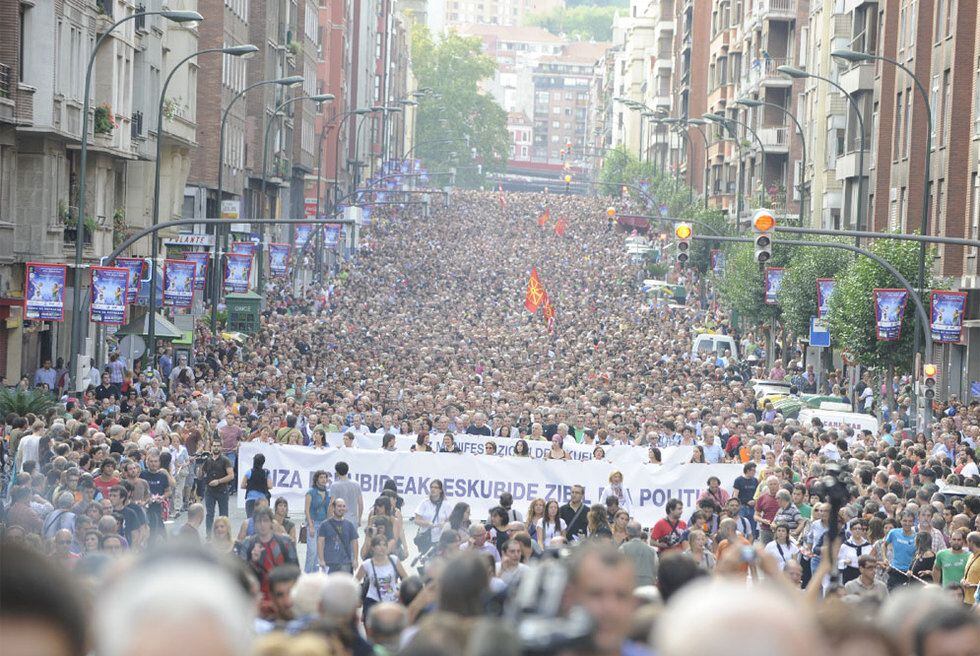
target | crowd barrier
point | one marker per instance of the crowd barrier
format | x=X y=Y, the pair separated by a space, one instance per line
x=479 y=480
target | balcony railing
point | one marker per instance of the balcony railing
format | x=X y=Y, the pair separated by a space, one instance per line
x=5 y=81
x=140 y=21
x=764 y=69
x=136 y=125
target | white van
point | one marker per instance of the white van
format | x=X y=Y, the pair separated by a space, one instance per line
x=714 y=343
x=840 y=420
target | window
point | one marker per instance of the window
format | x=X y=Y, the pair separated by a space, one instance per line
x=940 y=19
x=975 y=211
x=947 y=108
x=897 y=134
x=976 y=100
x=933 y=103
x=907 y=127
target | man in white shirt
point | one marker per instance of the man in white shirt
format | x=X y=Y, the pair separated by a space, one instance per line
x=713 y=453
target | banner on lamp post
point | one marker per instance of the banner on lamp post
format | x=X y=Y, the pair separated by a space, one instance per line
x=137 y=269
x=774 y=282
x=717 y=261
x=946 y=321
x=203 y=261
x=278 y=259
x=238 y=270
x=825 y=289
x=889 y=313
x=178 y=283
x=44 y=291
x=108 y=295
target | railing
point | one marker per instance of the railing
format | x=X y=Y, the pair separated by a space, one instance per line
x=4 y=81
x=104 y=7
x=140 y=21
x=764 y=69
x=136 y=125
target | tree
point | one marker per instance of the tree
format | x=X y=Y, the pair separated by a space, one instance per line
x=742 y=287
x=459 y=127
x=582 y=23
x=798 y=296
x=852 y=312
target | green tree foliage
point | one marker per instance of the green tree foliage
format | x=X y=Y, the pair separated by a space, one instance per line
x=22 y=402
x=798 y=296
x=583 y=23
x=452 y=67
x=852 y=314
x=742 y=287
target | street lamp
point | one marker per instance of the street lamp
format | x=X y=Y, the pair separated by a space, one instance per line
x=319 y=99
x=752 y=102
x=798 y=74
x=289 y=81
x=357 y=142
x=698 y=124
x=79 y=324
x=235 y=51
x=336 y=156
x=856 y=57
x=727 y=124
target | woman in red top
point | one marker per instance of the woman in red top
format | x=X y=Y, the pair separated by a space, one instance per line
x=106 y=478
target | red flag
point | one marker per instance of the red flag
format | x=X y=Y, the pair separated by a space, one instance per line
x=535 y=292
x=560 y=226
x=544 y=217
x=549 y=313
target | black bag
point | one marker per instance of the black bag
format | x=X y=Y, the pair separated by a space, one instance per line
x=424 y=538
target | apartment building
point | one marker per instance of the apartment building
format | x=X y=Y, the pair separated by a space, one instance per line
x=690 y=85
x=41 y=101
x=509 y=13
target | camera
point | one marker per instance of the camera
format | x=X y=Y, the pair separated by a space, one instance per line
x=534 y=608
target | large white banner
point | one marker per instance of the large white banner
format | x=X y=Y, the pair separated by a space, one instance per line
x=476 y=444
x=479 y=480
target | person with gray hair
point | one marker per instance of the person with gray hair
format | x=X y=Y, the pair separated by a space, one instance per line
x=61 y=517
x=340 y=597
x=644 y=557
x=192 y=601
x=385 y=623
x=788 y=513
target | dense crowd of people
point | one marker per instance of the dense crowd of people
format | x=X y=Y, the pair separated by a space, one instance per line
x=117 y=530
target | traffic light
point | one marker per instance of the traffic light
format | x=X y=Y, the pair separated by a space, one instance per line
x=929 y=375
x=763 y=224
x=683 y=233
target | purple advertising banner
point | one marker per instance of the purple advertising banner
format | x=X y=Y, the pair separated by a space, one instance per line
x=774 y=282
x=178 y=283
x=303 y=232
x=946 y=320
x=203 y=260
x=889 y=312
x=108 y=302
x=44 y=297
x=243 y=247
x=825 y=289
x=278 y=259
x=136 y=267
x=717 y=261
x=238 y=270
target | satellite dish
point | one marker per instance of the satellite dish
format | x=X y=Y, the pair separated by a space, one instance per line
x=132 y=347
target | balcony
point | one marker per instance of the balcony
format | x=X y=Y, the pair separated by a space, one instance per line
x=774 y=139
x=847 y=164
x=136 y=125
x=860 y=77
x=719 y=96
x=764 y=10
x=763 y=72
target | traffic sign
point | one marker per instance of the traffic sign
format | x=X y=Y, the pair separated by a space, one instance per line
x=819 y=333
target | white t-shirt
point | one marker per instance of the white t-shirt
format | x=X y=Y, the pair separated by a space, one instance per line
x=782 y=553
x=427 y=510
x=383 y=578
x=549 y=530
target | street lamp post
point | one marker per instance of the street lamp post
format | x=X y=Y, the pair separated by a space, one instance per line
x=236 y=51
x=698 y=124
x=751 y=102
x=336 y=173
x=797 y=73
x=319 y=99
x=679 y=125
x=357 y=144
x=727 y=123
x=854 y=57
x=216 y=274
x=79 y=323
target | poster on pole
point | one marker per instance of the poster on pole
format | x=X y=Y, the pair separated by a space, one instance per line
x=238 y=270
x=946 y=321
x=44 y=297
x=137 y=269
x=825 y=289
x=889 y=312
x=278 y=259
x=331 y=235
x=178 y=283
x=774 y=282
x=717 y=261
x=108 y=291
x=303 y=232
x=202 y=260
x=243 y=247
